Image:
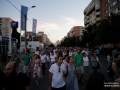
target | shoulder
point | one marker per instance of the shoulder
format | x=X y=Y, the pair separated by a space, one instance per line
x=53 y=66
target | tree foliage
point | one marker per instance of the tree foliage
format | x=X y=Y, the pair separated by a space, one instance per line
x=103 y=32
x=51 y=45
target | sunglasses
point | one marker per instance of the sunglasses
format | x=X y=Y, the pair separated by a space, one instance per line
x=59 y=69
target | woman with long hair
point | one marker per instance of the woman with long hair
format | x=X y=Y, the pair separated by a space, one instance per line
x=71 y=79
x=37 y=69
x=95 y=61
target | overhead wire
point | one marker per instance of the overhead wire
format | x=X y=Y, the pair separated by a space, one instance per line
x=18 y=9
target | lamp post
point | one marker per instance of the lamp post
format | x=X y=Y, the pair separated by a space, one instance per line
x=26 y=27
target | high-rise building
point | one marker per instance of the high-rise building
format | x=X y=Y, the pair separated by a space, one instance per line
x=114 y=6
x=76 y=31
x=97 y=10
x=5 y=28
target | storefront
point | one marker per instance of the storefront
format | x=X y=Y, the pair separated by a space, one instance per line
x=5 y=44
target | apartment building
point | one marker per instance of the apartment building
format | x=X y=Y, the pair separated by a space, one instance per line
x=97 y=10
x=92 y=13
x=114 y=6
x=76 y=31
x=5 y=28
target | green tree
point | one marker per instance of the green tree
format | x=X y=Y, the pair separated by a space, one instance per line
x=51 y=45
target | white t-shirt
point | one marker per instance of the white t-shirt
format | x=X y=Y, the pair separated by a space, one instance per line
x=37 y=52
x=108 y=58
x=48 y=58
x=64 y=53
x=57 y=77
x=43 y=58
x=9 y=53
x=85 y=61
x=65 y=63
x=70 y=53
x=52 y=57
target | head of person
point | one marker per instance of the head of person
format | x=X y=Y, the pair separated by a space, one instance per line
x=66 y=58
x=37 y=57
x=14 y=54
x=95 y=81
x=27 y=51
x=71 y=60
x=78 y=51
x=117 y=59
x=11 y=69
x=52 y=53
x=59 y=59
x=94 y=54
x=84 y=54
x=42 y=52
x=85 y=49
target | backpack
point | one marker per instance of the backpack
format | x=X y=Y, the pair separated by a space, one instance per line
x=110 y=71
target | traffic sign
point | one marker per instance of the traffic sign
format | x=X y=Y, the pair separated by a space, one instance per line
x=7 y=39
x=14 y=24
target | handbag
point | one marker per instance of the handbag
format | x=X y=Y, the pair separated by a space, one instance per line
x=66 y=72
x=98 y=65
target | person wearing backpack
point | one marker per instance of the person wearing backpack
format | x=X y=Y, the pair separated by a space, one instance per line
x=95 y=62
x=116 y=66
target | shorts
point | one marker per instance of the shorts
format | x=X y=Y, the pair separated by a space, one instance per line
x=80 y=69
x=26 y=69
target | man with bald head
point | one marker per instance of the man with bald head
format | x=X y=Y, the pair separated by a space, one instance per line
x=15 y=80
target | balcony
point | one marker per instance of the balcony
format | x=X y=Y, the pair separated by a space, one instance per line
x=97 y=7
x=98 y=19
x=97 y=13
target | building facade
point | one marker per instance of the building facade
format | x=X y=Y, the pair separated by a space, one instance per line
x=5 y=29
x=97 y=10
x=76 y=31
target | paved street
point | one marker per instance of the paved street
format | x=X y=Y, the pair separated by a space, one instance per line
x=44 y=80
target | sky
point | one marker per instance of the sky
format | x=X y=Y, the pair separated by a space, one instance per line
x=54 y=17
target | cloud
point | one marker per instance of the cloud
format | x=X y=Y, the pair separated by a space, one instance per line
x=69 y=21
x=48 y=26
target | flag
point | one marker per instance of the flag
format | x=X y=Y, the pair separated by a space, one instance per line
x=34 y=27
x=24 y=10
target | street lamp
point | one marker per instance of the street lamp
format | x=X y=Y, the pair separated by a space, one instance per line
x=26 y=28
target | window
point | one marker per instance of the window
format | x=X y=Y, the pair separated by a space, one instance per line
x=105 y=5
x=106 y=11
x=117 y=9
x=114 y=3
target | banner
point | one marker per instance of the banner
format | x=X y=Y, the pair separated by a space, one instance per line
x=34 y=27
x=24 y=10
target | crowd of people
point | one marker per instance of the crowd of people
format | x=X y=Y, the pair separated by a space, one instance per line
x=67 y=69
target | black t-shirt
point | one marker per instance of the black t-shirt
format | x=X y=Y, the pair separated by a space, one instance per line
x=18 y=82
x=2 y=77
x=3 y=58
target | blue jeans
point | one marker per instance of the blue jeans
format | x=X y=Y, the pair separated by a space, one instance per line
x=95 y=68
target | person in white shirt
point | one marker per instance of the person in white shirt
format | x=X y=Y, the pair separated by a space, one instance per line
x=37 y=52
x=70 y=53
x=108 y=59
x=9 y=54
x=44 y=61
x=52 y=58
x=64 y=53
x=48 y=60
x=65 y=61
x=85 y=64
x=56 y=76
